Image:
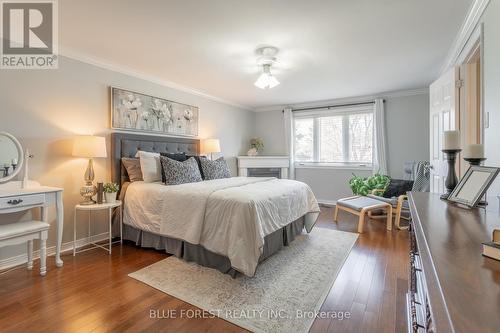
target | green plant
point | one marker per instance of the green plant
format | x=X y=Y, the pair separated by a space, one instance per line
x=257 y=143
x=365 y=185
x=111 y=187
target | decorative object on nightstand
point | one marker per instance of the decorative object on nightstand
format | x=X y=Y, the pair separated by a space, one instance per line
x=210 y=146
x=89 y=146
x=100 y=193
x=110 y=207
x=451 y=147
x=110 y=191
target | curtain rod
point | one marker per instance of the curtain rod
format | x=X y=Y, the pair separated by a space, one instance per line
x=335 y=106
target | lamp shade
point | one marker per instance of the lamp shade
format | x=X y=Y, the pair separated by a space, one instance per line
x=211 y=146
x=89 y=146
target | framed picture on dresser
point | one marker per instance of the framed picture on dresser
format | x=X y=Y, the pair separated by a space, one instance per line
x=133 y=111
x=473 y=185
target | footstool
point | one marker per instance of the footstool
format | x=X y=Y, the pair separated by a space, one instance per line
x=360 y=206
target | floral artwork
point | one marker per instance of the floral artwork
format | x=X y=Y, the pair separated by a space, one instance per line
x=138 y=112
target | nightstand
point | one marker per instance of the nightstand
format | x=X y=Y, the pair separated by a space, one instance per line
x=111 y=208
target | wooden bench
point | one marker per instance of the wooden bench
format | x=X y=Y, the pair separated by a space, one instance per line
x=360 y=206
x=20 y=232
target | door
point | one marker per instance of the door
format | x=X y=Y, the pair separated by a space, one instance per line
x=443 y=117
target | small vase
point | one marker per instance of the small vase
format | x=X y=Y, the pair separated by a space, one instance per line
x=110 y=197
x=252 y=152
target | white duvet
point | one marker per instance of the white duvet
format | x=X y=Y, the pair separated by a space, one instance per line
x=228 y=216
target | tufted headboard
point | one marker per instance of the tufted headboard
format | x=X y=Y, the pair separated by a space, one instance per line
x=127 y=145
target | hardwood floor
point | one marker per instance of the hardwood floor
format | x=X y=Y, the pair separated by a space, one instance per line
x=92 y=292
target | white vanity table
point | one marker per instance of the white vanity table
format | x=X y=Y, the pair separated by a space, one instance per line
x=18 y=196
x=14 y=198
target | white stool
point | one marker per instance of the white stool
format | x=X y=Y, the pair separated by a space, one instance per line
x=20 y=232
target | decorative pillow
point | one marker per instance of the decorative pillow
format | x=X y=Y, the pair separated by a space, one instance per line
x=176 y=172
x=150 y=166
x=181 y=157
x=215 y=169
x=198 y=160
x=133 y=167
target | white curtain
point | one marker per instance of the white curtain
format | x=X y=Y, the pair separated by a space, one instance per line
x=288 y=125
x=379 y=141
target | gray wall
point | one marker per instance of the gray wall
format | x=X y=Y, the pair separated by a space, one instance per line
x=491 y=70
x=407 y=125
x=407 y=128
x=46 y=109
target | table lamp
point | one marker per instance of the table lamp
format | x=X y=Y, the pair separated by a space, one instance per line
x=89 y=146
x=211 y=146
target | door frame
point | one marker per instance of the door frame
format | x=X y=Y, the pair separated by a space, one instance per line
x=475 y=41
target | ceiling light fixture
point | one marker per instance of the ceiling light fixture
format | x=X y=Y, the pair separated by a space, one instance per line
x=266 y=59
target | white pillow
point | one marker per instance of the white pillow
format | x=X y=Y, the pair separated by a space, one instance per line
x=150 y=166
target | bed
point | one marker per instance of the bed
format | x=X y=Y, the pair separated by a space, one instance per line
x=230 y=224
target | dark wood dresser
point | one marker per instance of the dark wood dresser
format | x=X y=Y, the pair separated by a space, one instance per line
x=452 y=287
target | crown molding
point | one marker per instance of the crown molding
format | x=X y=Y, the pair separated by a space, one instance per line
x=469 y=24
x=76 y=55
x=389 y=94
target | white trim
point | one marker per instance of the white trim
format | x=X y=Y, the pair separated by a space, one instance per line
x=23 y=258
x=367 y=98
x=298 y=165
x=472 y=19
x=76 y=55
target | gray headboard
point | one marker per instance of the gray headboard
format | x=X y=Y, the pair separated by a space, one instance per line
x=127 y=145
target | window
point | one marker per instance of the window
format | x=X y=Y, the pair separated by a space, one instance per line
x=342 y=136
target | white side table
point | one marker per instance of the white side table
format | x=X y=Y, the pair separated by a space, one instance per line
x=110 y=207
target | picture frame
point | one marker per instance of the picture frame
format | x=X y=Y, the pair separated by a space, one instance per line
x=473 y=185
x=138 y=112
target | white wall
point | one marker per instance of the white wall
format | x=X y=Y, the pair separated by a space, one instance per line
x=46 y=109
x=491 y=70
x=407 y=126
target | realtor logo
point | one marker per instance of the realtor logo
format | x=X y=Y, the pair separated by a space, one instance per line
x=29 y=34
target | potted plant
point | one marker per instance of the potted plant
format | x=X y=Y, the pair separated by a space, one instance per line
x=110 y=191
x=367 y=185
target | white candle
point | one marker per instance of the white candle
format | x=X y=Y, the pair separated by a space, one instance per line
x=451 y=140
x=474 y=151
x=14 y=161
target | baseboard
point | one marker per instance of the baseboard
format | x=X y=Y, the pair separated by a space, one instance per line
x=23 y=258
x=327 y=203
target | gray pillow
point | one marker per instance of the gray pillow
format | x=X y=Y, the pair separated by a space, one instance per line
x=176 y=172
x=133 y=167
x=215 y=169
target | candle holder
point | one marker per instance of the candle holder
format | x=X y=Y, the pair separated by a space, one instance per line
x=477 y=161
x=451 y=179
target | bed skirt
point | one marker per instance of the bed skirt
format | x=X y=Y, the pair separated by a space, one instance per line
x=197 y=253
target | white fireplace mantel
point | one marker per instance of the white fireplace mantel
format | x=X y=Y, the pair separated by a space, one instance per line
x=246 y=162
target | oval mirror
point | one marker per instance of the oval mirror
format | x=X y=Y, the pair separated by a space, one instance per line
x=11 y=157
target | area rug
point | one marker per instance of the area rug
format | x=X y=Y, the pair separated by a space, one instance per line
x=285 y=294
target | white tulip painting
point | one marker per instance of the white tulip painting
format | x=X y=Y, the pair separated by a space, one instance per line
x=139 y=112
